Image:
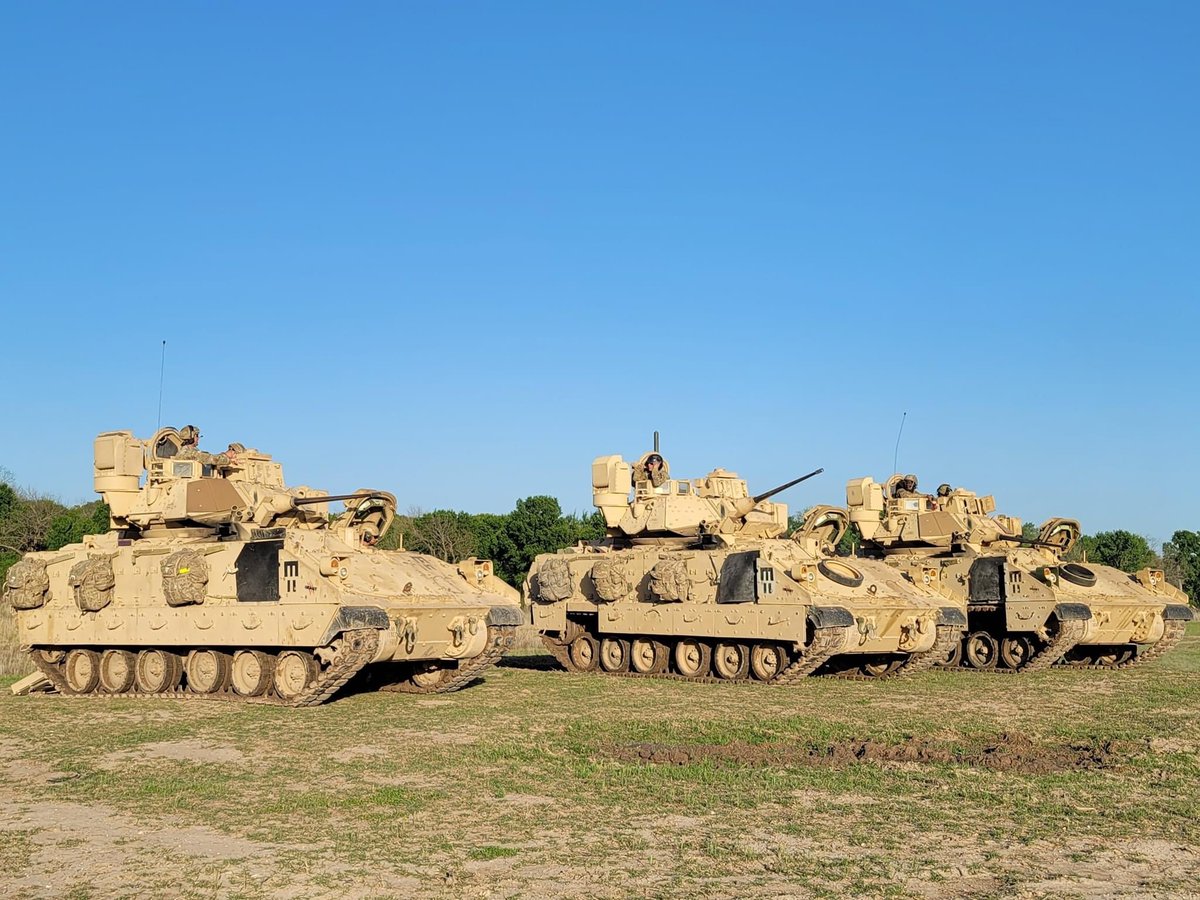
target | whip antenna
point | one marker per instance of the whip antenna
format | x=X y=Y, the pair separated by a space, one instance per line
x=896 y=455
x=162 y=370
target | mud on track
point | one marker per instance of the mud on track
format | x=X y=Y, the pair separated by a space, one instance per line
x=1008 y=752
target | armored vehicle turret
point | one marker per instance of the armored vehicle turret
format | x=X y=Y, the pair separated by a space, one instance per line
x=1028 y=606
x=216 y=579
x=695 y=579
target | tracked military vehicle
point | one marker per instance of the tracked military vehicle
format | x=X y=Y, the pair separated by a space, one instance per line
x=215 y=580
x=1028 y=607
x=696 y=581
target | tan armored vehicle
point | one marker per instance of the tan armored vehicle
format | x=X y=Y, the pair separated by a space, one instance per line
x=695 y=580
x=216 y=580
x=1028 y=607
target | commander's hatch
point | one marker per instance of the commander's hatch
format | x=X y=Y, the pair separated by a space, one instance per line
x=824 y=524
x=161 y=463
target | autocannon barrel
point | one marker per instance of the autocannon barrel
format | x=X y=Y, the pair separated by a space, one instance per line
x=362 y=495
x=759 y=498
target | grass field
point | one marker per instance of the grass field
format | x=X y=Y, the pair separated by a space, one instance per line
x=535 y=783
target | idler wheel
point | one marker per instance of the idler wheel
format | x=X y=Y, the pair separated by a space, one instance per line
x=252 y=671
x=54 y=657
x=840 y=572
x=83 y=671
x=1016 y=650
x=585 y=653
x=731 y=661
x=118 y=670
x=648 y=657
x=158 y=671
x=1077 y=574
x=981 y=651
x=767 y=661
x=208 y=671
x=614 y=655
x=692 y=658
x=295 y=670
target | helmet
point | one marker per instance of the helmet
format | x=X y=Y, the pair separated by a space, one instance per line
x=189 y=434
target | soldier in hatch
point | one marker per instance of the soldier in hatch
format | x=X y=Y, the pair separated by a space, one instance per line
x=653 y=469
x=907 y=487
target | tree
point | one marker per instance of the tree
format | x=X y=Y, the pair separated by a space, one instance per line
x=71 y=526
x=1120 y=549
x=441 y=533
x=535 y=526
x=1181 y=555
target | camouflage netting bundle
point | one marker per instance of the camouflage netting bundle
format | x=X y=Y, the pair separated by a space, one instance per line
x=185 y=578
x=610 y=581
x=669 y=580
x=554 y=581
x=26 y=584
x=92 y=581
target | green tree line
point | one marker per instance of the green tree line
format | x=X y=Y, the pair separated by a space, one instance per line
x=31 y=521
x=511 y=541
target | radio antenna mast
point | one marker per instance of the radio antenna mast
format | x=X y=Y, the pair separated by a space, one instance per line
x=162 y=370
x=896 y=454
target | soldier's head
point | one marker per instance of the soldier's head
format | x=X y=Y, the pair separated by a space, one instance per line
x=943 y=490
x=909 y=482
x=653 y=462
x=190 y=435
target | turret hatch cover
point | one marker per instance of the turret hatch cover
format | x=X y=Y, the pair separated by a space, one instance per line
x=1061 y=534
x=825 y=523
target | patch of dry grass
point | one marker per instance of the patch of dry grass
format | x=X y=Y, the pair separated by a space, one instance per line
x=524 y=785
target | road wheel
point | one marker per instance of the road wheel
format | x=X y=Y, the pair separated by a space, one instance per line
x=731 y=661
x=252 y=671
x=954 y=658
x=158 y=671
x=692 y=658
x=207 y=671
x=83 y=671
x=648 y=657
x=585 y=653
x=767 y=661
x=981 y=650
x=430 y=678
x=1016 y=650
x=295 y=670
x=881 y=667
x=614 y=655
x=118 y=669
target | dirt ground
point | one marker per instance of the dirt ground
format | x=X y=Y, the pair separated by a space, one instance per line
x=533 y=783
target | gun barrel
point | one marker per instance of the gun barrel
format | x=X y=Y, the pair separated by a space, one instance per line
x=759 y=498
x=305 y=501
x=1018 y=539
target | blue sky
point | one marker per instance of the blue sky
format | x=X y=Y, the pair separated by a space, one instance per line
x=457 y=250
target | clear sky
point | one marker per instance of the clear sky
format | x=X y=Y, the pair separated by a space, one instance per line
x=456 y=250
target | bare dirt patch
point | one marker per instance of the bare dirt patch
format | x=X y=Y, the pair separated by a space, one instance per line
x=1008 y=752
x=180 y=751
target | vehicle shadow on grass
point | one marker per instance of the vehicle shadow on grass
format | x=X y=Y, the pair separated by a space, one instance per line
x=533 y=662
